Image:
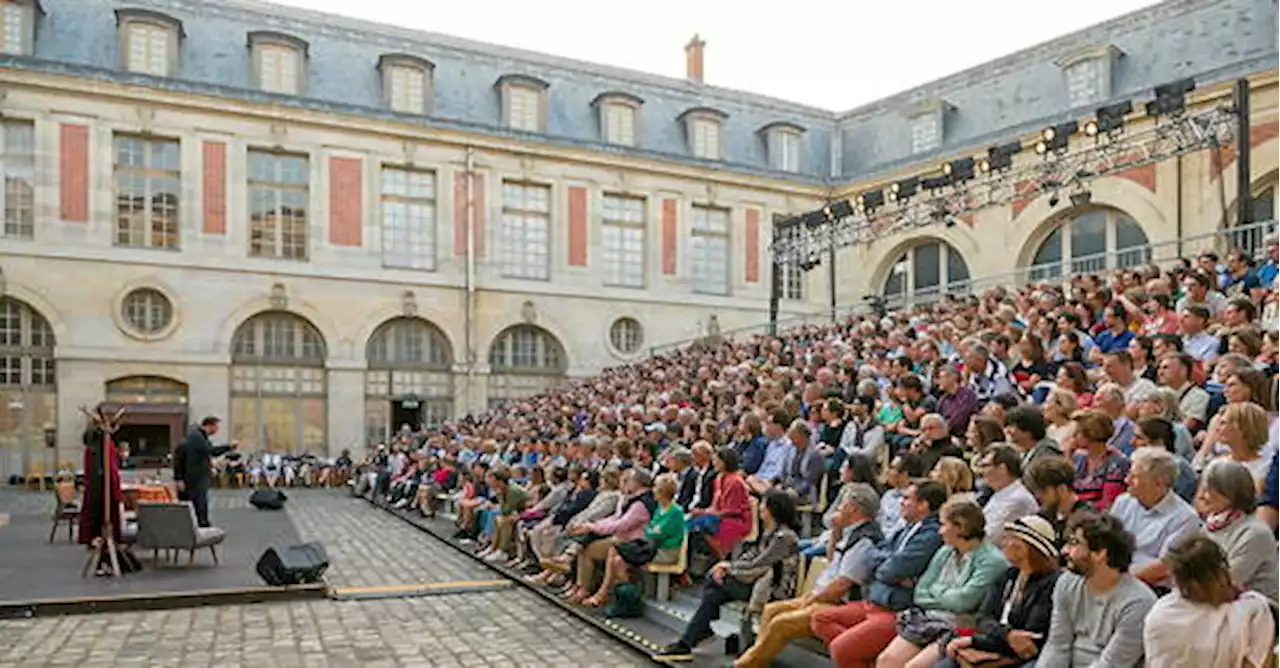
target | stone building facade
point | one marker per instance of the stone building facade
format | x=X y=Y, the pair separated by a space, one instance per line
x=320 y=228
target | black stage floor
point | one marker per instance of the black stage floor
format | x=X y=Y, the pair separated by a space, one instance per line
x=35 y=572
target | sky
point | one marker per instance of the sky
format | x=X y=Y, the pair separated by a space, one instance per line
x=835 y=55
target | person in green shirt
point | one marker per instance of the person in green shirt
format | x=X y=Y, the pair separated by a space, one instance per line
x=664 y=538
x=512 y=499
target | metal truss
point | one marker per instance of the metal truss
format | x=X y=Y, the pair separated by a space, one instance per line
x=1064 y=172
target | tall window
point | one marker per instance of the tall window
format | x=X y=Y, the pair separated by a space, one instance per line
x=524 y=108
x=408 y=218
x=148 y=185
x=926 y=271
x=710 y=250
x=149 y=48
x=622 y=235
x=706 y=138
x=407 y=89
x=278 y=205
x=620 y=124
x=1084 y=83
x=15 y=27
x=409 y=360
x=17 y=164
x=524 y=360
x=526 y=242
x=785 y=147
x=1090 y=242
x=278 y=384
x=790 y=275
x=279 y=68
x=26 y=346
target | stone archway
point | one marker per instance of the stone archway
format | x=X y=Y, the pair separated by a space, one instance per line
x=155 y=416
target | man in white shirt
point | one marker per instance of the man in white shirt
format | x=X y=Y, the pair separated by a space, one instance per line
x=1001 y=467
x=1174 y=372
x=1153 y=513
x=1197 y=342
x=1118 y=365
x=853 y=535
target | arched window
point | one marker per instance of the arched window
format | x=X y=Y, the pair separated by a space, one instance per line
x=28 y=385
x=524 y=360
x=1262 y=213
x=278 y=395
x=1089 y=242
x=409 y=379
x=918 y=273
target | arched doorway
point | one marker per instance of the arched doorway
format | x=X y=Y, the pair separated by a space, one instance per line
x=924 y=272
x=524 y=360
x=1090 y=241
x=278 y=388
x=154 y=419
x=28 y=387
x=409 y=379
x=1262 y=211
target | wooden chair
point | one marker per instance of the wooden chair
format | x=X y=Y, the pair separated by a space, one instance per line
x=35 y=476
x=662 y=573
x=66 y=507
x=815 y=568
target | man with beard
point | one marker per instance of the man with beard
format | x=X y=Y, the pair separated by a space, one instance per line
x=1050 y=479
x=1099 y=609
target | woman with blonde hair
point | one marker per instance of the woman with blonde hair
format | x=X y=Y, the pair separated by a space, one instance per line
x=661 y=543
x=954 y=474
x=1241 y=429
x=1058 y=408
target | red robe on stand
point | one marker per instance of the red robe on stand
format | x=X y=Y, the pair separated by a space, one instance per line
x=92 y=507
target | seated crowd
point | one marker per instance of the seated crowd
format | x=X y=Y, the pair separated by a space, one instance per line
x=1074 y=474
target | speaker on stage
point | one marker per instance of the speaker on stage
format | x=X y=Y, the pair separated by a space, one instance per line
x=267 y=499
x=297 y=564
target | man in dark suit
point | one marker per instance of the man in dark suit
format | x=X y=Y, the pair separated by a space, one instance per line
x=702 y=477
x=191 y=463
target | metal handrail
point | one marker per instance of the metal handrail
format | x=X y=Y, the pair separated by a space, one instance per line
x=1248 y=237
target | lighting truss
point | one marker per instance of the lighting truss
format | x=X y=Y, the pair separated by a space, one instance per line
x=1064 y=172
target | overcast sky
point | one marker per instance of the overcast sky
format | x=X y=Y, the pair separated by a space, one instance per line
x=834 y=54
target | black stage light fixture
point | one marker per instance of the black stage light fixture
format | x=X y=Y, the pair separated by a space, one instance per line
x=787 y=224
x=1171 y=98
x=934 y=182
x=814 y=219
x=959 y=171
x=903 y=190
x=1057 y=137
x=839 y=209
x=871 y=200
x=999 y=158
x=1110 y=119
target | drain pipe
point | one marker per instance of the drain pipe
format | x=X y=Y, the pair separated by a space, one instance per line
x=470 y=296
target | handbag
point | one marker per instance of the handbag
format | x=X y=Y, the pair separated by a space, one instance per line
x=637 y=552
x=917 y=627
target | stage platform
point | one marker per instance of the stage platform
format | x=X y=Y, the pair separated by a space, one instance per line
x=38 y=577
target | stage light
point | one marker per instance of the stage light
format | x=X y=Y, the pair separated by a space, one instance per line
x=838 y=209
x=959 y=171
x=1110 y=119
x=871 y=200
x=814 y=219
x=1056 y=137
x=1171 y=98
x=787 y=224
x=934 y=182
x=1000 y=158
x=904 y=189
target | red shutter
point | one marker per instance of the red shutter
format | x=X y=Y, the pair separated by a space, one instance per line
x=669 y=237
x=460 y=212
x=753 y=246
x=577 y=226
x=346 y=201
x=215 y=187
x=74 y=171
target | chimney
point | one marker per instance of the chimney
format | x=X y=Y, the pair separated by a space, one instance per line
x=693 y=58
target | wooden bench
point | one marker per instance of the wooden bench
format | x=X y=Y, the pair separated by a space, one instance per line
x=662 y=572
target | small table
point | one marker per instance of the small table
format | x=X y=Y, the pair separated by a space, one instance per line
x=133 y=494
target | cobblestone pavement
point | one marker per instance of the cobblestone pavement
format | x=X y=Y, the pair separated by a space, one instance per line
x=499 y=629
x=370 y=547
x=366 y=547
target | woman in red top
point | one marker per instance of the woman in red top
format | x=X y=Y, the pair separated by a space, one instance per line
x=1071 y=376
x=731 y=503
x=1100 y=468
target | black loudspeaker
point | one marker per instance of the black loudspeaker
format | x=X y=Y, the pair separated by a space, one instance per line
x=267 y=499
x=297 y=564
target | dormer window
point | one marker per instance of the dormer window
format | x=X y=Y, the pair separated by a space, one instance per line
x=148 y=42
x=17 y=26
x=928 y=125
x=782 y=143
x=1087 y=75
x=406 y=82
x=619 y=118
x=704 y=128
x=278 y=62
x=523 y=102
